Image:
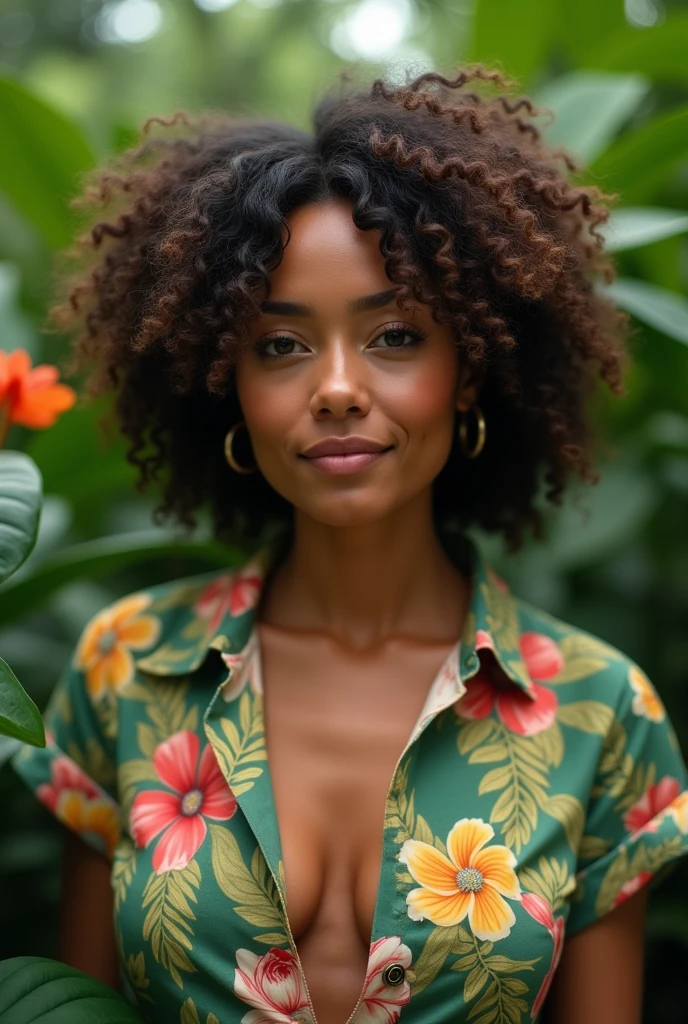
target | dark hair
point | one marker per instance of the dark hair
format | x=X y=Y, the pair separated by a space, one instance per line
x=476 y=217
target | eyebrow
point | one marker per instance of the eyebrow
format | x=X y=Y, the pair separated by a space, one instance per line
x=361 y=305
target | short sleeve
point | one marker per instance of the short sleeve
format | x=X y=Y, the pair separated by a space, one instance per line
x=74 y=775
x=637 y=818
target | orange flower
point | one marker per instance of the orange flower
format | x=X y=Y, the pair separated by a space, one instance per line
x=646 y=700
x=98 y=817
x=470 y=881
x=31 y=397
x=104 y=651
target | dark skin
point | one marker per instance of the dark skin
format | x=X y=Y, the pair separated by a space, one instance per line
x=367 y=584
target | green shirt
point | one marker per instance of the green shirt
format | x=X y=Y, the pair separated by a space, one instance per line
x=540 y=787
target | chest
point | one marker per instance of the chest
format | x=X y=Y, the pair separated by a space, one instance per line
x=336 y=724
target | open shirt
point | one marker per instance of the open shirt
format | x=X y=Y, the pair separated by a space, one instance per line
x=541 y=786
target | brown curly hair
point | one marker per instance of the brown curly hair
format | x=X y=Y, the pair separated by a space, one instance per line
x=477 y=218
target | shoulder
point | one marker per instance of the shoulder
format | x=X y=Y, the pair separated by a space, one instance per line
x=558 y=653
x=166 y=628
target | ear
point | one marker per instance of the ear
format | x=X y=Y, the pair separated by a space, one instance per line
x=468 y=386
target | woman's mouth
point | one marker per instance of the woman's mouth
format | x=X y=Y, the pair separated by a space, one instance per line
x=351 y=462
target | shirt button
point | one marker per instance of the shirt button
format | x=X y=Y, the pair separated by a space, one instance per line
x=393 y=974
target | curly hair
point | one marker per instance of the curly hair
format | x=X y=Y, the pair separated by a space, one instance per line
x=477 y=218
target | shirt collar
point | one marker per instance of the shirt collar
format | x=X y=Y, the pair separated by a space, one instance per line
x=217 y=612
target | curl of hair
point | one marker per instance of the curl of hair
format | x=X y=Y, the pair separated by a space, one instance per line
x=476 y=216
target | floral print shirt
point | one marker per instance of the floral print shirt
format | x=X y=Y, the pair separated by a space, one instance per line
x=541 y=786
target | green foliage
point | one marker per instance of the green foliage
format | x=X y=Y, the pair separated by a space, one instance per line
x=19 y=716
x=20 y=510
x=33 y=989
x=41 y=145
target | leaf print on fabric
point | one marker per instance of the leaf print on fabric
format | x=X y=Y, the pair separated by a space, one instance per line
x=253 y=890
x=237 y=748
x=430 y=962
x=189 y=1014
x=199 y=791
x=584 y=656
x=551 y=881
x=528 y=737
x=80 y=804
x=381 y=1003
x=646 y=700
x=123 y=871
x=631 y=864
x=471 y=881
x=500 y=1002
x=541 y=911
x=104 y=650
x=167 y=922
x=274 y=986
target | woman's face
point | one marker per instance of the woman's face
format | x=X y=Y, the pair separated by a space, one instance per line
x=333 y=356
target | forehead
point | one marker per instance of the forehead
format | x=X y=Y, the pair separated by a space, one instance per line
x=327 y=251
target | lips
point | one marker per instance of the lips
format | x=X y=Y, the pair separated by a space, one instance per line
x=351 y=445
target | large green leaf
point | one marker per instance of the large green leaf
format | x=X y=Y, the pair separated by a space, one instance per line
x=516 y=36
x=95 y=558
x=664 y=310
x=639 y=162
x=43 y=153
x=33 y=989
x=574 y=21
x=659 y=51
x=590 y=108
x=19 y=716
x=632 y=226
x=20 y=509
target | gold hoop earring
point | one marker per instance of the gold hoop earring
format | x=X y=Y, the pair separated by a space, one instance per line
x=229 y=441
x=473 y=452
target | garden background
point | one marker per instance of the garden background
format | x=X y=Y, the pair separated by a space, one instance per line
x=78 y=77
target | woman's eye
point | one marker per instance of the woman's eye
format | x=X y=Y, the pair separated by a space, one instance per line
x=395 y=337
x=282 y=346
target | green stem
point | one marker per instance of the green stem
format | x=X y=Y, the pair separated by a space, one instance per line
x=5 y=422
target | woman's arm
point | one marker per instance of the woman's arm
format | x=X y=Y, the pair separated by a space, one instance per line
x=87 y=934
x=600 y=977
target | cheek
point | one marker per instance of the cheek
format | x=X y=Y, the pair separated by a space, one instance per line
x=426 y=398
x=270 y=411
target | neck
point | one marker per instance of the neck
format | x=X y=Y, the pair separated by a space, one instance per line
x=364 y=585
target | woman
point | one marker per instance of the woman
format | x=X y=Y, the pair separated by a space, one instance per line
x=398 y=313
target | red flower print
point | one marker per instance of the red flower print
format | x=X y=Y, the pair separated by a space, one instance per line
x=233 y=592
x=639 y=817
x=273 y=985
x=542 y=656
x=631 y=887
x=65 y=774
x=540 y=910
x=199 y=791
x=381 y=1003
x=516 y=710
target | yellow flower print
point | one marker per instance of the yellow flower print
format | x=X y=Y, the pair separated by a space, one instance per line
x=646 y=702
x=471 y=881
x=104 y=651
x=95 y=816
x=678 y=809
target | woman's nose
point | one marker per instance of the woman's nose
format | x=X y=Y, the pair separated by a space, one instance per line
x=340 y=383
